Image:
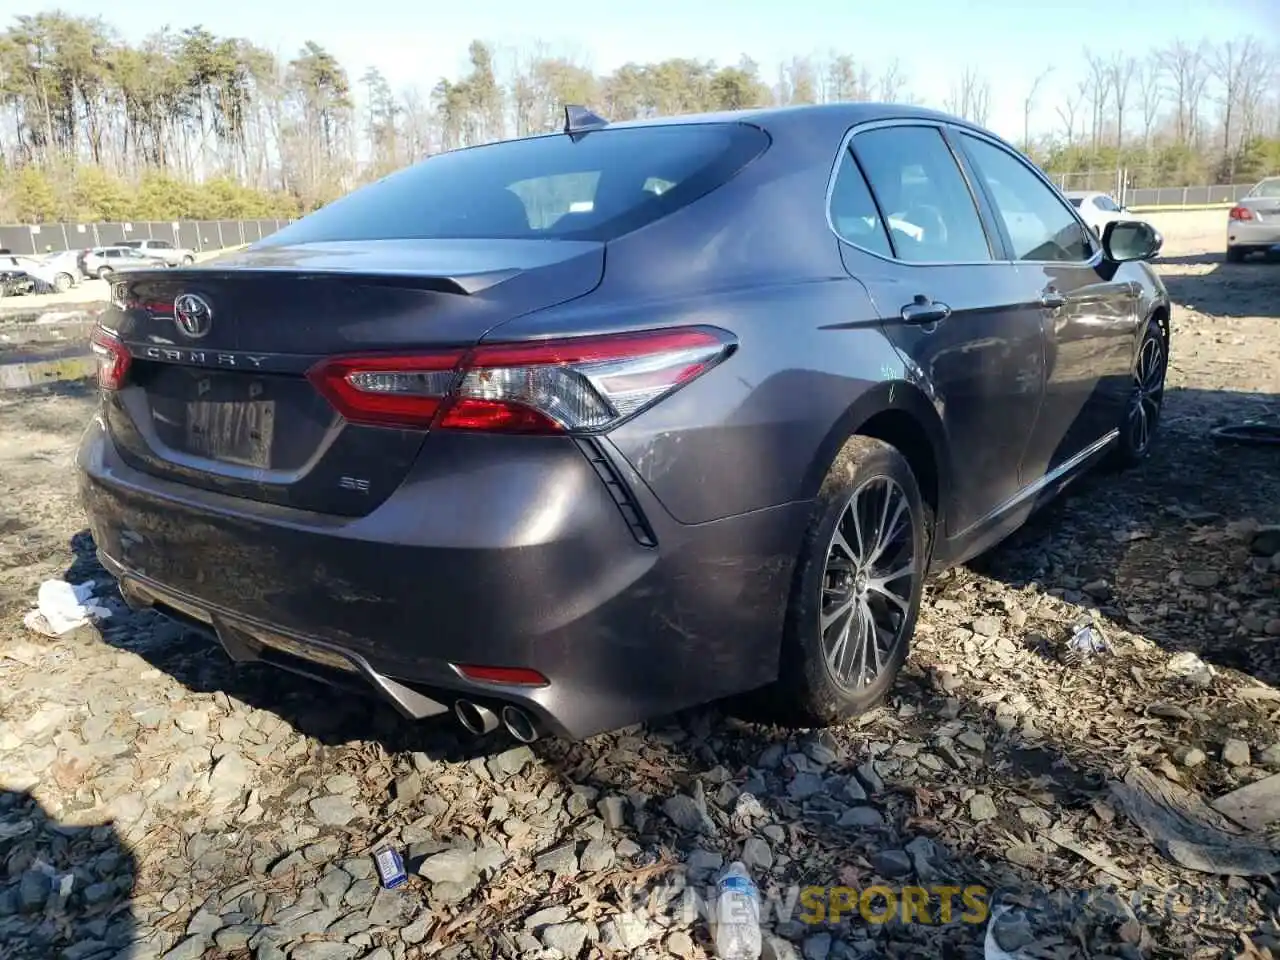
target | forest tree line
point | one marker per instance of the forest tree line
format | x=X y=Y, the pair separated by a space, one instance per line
x=187 y=124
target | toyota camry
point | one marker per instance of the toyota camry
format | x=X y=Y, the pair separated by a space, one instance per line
x=565 y=432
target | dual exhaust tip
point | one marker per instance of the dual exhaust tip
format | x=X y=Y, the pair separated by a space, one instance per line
x=479 y=720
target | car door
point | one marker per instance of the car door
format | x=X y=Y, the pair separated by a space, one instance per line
x=927 y=254
x=1088 y=309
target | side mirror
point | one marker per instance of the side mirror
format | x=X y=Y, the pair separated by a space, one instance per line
x=1125 y=240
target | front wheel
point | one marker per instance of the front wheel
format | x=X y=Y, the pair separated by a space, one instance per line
x=1146 y=399
x=188 y=260
x=62 y=282
x=856 y=592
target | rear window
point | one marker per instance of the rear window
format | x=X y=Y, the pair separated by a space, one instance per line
x=600 y=186
x=1075 y=201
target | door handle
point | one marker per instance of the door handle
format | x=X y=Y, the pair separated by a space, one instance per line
x=922 y=310
x=1052 y=299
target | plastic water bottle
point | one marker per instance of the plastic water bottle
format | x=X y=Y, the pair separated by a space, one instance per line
x=737 y=915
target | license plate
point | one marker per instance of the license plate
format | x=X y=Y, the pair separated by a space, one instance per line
x=237 y=432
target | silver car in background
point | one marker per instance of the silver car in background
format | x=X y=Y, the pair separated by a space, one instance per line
x=162 y=250
x=1253 y=224
x=101 y=262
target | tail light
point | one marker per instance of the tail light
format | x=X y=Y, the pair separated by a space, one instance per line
x=113 y=359
x=579 y=384
x=1240 y=213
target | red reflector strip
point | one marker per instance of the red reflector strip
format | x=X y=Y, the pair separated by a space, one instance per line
x=516 y=676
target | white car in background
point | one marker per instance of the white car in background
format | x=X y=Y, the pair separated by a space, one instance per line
x=47 y=277
x=162 y=250
x=1253 y=224
x=1097 y=209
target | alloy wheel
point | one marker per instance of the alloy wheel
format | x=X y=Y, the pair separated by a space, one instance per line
x=868 y=583
x=1147 y=396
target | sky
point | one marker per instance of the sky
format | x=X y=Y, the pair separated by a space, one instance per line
x=1010 y=41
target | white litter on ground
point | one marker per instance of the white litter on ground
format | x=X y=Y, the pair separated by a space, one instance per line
x=62 y=606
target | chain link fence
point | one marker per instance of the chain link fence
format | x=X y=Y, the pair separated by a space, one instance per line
x=196 y=235
x=1119 y=184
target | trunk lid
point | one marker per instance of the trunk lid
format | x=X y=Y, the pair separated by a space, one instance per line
x=217 y=396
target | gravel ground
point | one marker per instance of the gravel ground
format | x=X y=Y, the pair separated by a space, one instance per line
x=157 y=801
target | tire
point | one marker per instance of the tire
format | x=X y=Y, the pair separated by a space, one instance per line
x=62 y=282
x=1235 y=254
x=103 y=273
x=1146 y=395
x=808 y=692
x=188 y=260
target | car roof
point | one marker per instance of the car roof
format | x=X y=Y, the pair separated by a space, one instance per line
x=818 y=116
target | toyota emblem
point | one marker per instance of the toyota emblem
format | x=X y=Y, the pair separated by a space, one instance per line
x=193 y=315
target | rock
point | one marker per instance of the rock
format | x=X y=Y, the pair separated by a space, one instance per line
x=861 y=817
x=756 y=853
x=1266 y=541
x=561 y=860
x=986 y=626
x=229 y=777
x=325 y=950
x=33 y=890
x=982 y=807
x=597 y=855
x=804 y=785
x=448 y=866
x=687 y=815
x=613 y=811
x=191 y=948
x=568 y=938
x=408 y=787
x=891 y=863
x=334 y=810
x=680 y=944
x=870 y=778
x=817 y=947
x=509 y=763
x=775 y=948
x=772 y=756
x=1270 y=757
x=627 y=932
x=1190 y=757
x=703 y=861
x=545 y=917
x=1235 y=753
x=973 y=740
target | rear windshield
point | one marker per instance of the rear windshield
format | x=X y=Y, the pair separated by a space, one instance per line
x=600 y=186
x=1267 y=189
x=1075 y=201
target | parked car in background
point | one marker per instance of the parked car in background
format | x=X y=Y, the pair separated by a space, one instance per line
x=101 y=262
x=14 y=281
x=162 y=250
x=1097 y=209
x=44 y=277
x=644 y=449
x=66 y=269
x=1253 y=224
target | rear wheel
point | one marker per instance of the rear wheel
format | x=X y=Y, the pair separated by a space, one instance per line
x=62 y=282
x=104 y=272
x=1235 y=254
x=856 y=592
x=1146 y=399
x=188 y=260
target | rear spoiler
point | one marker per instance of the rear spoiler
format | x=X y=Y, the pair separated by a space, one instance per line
x=463 y=284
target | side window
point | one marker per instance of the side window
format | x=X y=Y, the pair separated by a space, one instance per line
x=1106 y=203
x=931 y=214
x=1040 y=227
x=160 y=245
x=853 y=212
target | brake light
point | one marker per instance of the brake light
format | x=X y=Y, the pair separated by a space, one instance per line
x=113 y=359
x=1240 y=213
x=577 y=384
x=518 y=676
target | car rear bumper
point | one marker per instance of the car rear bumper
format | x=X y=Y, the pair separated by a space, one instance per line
x=1259 y=235
x=512 y=552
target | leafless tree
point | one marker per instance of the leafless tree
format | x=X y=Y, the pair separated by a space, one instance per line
x=1186 y=70
x=970 y=97
x=891 y=86
x=1151 y=89
x=1237 y=66
x=1027 y=103
x=1120 y=73
x=1099 y=92
x=1069 y=109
